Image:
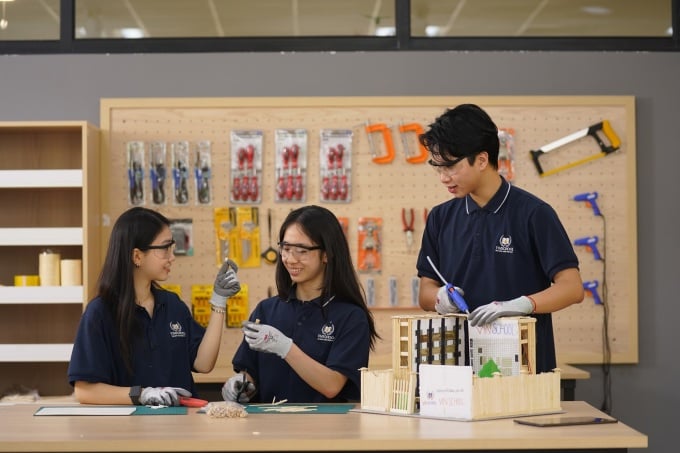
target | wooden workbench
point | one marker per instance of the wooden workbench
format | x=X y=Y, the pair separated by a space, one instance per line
x=21 y=431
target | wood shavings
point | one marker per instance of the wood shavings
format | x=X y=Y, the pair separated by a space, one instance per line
x=225 y=409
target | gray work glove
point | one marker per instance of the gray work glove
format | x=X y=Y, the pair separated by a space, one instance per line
x=238 y=389
x=443 y=304
x=226 y=284
x=490 y=312
x=265 y=338
x=162 y=396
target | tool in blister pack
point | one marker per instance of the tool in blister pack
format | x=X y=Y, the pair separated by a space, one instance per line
x=595 y=131
x=454 y=295
x=180 y=171
x=157 y=171
x=506 y=153
x=246 y=166
x=135 y=155
x=335 y=164
x=202 y=172
x=291 y=164
x=394 y=296
x=369 y=237
x=370 y=292
x=415 y=291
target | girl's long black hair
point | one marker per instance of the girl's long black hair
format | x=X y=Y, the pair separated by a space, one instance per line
x=340 y=278
x=135 y=228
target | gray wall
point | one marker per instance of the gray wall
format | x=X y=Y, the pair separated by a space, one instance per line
x=645 y=396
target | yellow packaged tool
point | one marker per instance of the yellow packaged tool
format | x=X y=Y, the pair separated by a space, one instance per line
x=237 y=307
x=200 y=303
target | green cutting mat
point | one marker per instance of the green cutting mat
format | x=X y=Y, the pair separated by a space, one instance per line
x=174 y=410
x=300 y=408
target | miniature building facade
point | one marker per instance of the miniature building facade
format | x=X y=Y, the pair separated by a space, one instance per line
x=448 y=340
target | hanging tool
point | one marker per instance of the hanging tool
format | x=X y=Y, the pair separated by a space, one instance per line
x=591 y=200
x=591 y=243
x=506 y=153
x=408 y=227
x=454 y=296
x=604 y=127
x=591 y=288
x=417 y=129
x=270 y=255
x=387 y=142
x=253 y=186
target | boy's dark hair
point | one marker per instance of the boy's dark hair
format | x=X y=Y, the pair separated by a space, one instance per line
x=463 y=131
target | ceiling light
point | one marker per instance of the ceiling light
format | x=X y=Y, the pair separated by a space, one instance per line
x=130 y=33
x=433 y=30
x=385 y=31
x=3 y=22
x=596 y=10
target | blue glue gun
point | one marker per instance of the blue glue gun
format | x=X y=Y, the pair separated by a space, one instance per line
x=454 y=296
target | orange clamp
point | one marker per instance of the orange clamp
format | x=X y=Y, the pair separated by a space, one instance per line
x=387 y=141
x=417 y=129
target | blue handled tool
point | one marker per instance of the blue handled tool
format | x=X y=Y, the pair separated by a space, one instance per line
x=454 y=296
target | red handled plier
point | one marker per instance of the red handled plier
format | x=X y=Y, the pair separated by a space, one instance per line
x=408 y=227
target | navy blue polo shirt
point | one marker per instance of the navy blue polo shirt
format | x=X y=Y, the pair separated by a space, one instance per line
x=163 y=355
x=511 y=247
x=335 y=334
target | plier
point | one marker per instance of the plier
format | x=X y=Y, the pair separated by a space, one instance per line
x=408 y=227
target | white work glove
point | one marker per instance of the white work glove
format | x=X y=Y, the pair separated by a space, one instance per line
x=443 y=304
x=226 y=284
x=238 y=389
x=265 y=338
x=490 y=312
x=162 y=396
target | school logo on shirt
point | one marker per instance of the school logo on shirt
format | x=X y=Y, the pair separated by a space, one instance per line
x=504 y=245
x=327 y=331
x=176 y=330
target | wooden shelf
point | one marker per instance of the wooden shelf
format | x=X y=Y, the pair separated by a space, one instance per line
x=41 y=294
x=41 y=236
x=40 y=178
x=35 y=352
x=50 y=184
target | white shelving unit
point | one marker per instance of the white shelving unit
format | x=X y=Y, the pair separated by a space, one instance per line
x=49 y=188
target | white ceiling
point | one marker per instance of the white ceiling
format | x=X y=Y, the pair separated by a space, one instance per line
x=39 y=19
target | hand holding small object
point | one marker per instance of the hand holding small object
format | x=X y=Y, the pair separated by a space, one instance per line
x=443 y=304
x=490 y=312
x=226 y=284
x=265 y=338
x=238 y=389
x=162 y=396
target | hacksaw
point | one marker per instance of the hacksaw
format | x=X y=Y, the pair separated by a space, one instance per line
x=594 y=131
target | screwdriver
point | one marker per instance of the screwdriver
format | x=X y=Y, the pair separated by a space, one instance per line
x=454 y=296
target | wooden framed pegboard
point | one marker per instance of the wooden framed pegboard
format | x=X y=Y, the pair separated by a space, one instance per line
x=382 y=190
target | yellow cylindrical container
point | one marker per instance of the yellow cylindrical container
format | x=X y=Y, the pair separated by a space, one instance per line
x=71 y=272
x=26 y=280
x=49 y=268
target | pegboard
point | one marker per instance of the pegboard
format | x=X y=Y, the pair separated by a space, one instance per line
x=383 y=190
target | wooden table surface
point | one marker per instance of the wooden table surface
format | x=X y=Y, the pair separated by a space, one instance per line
x=21 y=431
